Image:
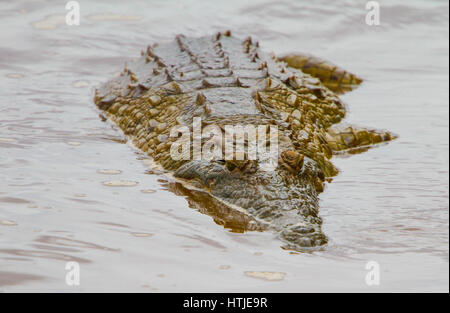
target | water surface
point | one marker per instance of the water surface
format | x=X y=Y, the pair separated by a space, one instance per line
x=389 y=205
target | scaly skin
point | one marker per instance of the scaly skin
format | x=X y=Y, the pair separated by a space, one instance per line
x=227 y=81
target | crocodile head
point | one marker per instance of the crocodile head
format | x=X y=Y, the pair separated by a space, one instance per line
x=285 y=199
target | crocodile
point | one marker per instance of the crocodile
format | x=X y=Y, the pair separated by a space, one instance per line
x=225 y=80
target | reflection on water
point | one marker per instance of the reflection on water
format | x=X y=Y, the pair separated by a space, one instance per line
x=221 y=213
x=11 y=279
x=71 y=190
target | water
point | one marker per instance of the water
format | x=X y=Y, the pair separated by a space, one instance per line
x=389 y=205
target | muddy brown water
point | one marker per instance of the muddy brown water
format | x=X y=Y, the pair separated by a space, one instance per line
x=60 y=164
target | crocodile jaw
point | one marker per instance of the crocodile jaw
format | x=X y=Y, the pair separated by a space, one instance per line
x=287 y=202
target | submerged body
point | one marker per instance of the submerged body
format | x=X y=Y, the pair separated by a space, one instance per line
x=228 y=81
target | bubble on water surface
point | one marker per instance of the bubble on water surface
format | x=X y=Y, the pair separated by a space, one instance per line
x=112 y=17
x=74 y=143
x=15 y=75
x=80 y=84
x=7 y=140
x=109 y=172
x=148 y=191
x=50 y=22
x=142 y=234
x=271 y=276
x=120 y=183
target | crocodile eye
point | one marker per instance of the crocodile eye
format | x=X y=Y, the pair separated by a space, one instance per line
x=244 y=166
x=292 y=160
x=230 y=166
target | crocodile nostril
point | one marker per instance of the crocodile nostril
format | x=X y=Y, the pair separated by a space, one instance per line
x=303 y=229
